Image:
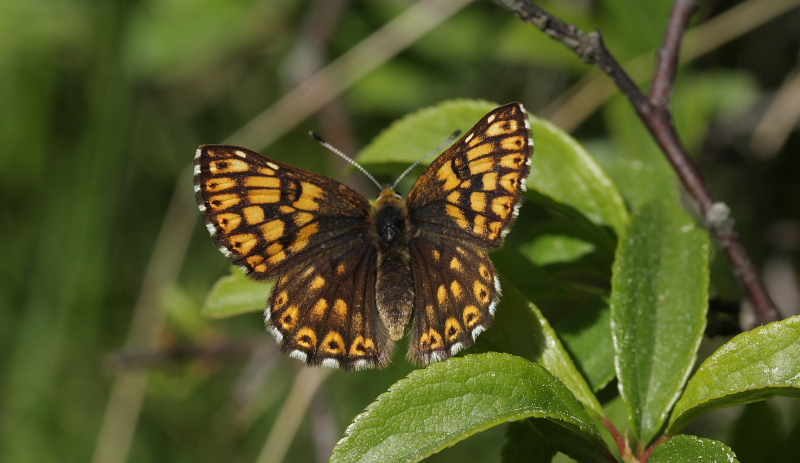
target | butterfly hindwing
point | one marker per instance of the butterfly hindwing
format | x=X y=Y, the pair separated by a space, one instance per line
x=457 y=292
x=474 y=189
x=325 y=312
x=268 y=217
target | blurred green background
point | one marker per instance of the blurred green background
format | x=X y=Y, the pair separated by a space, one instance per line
x=103 y=352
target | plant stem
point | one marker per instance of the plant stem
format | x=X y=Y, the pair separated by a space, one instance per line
x=622 y=442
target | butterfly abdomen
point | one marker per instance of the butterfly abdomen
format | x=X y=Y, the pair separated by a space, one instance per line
x=395 y=283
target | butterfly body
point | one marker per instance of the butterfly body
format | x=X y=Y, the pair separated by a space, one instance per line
x=351 y=277
x=395 y=285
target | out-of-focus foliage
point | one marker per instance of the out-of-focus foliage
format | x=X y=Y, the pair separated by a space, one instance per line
x=102 y=106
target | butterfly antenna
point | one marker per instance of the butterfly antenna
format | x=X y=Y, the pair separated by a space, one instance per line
x=434 y=151
x=322 y=142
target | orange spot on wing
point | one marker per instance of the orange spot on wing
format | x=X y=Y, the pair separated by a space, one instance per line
x=477 y=201
x=228 y=166
x=513 y=143
x=228 y=222
x=480 y=166
x=253 y=214
x=333 y=344
x=264 y=196
x=273 y=230
x=447 y=175
x=219 y=183
x=512 y=161
x=479 y=151
x=457 y=214
x=224 y=201
x=257 y=181
x=489 y=181
x=306 y=337
x=243 y=243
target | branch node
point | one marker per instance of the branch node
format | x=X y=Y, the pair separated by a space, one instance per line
x=718 y=219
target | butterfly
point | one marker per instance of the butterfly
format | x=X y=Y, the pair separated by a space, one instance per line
x=350 y=277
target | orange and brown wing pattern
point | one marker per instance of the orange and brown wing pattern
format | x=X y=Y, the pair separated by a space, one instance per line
x=474 y=189
x=268 y=217
x=457 y=292
x=325 y=313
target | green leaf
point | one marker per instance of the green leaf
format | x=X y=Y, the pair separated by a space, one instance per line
x=561 y=169
x=569 y=443
x=564 y=171
x=658 y=304
x=690 y=448
x=235 y=294
x=753 y=366
x=586 y=333
x=553 y=249
x=446 y=402
x=416 y=134
x=525 y=443
x=759 y=431
x=520 y=328
x=565 y=245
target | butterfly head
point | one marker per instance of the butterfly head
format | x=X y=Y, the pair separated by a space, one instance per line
x=388 y=195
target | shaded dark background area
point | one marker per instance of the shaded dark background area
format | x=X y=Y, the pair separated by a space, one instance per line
x=105 y=264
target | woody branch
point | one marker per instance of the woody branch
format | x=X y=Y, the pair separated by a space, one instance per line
x=655 y=111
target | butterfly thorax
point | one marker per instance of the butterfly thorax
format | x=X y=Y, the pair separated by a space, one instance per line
x=395 y=284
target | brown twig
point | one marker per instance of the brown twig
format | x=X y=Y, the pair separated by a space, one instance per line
x=656 y=113
x=669 y=52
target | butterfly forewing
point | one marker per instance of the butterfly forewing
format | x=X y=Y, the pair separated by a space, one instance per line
x=474 y=189
x=267 y=216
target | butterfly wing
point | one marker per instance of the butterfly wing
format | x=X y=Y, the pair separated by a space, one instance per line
x=309 y=233
x=456 y=296
x=473 y=191
x=326 y=314
x=462 y=206
x=268 y=217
